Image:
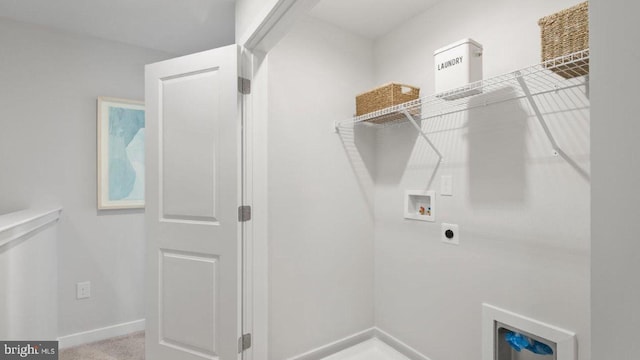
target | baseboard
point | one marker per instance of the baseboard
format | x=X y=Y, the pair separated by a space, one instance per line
x=90 y=336
x=357 y=338
x=401 y=347
x=336 y=346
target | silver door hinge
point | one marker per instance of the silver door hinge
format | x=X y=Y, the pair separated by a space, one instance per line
x=244 y=213
x=244 y=343
x=244 y=86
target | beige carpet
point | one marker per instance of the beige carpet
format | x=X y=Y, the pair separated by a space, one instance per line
x=129 y=347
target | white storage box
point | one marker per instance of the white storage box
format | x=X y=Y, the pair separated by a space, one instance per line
x=457 y=65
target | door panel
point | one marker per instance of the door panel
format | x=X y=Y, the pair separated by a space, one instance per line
x=180 y=327
x=189 y=145
x=193 y=191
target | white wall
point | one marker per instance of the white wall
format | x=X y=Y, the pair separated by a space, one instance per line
x=49 y=83
x=523 y=214
x=616 y=174
x=320 y=191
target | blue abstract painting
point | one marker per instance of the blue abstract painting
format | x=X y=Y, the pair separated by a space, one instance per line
x=126 y=154
x=121 y=154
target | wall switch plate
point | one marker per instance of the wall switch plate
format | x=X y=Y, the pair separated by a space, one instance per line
x=450 y=234
x=446 y=185
x=83 y=290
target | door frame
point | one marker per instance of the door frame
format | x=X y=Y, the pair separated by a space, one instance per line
x=268 y=27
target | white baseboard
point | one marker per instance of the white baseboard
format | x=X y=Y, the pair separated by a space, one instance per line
x=401 y=347
x=90 y=336
x=357 y=338
x=336 y=346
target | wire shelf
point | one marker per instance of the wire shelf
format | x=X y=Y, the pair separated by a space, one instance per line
x=551 y=76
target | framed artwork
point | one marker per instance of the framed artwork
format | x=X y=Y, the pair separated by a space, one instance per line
x=120 y=153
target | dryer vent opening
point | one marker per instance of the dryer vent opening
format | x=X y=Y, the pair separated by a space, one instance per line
x=510 y=336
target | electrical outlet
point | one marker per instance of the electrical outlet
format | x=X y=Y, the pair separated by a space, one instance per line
x=450 y=234
x=83 y=290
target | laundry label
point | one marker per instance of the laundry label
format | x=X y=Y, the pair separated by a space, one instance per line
x=450 y=63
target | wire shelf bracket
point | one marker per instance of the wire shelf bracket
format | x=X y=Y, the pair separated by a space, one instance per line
x=536 y=110
x=419 y=129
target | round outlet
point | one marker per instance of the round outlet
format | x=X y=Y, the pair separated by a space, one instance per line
x=450 y=234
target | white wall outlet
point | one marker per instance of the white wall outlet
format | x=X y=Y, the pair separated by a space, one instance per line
x=446 y=185
x=83 y=290
x=450 y=234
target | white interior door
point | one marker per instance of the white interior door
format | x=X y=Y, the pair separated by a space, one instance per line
x=193 y=139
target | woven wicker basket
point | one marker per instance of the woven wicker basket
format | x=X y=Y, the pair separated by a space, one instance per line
x=384 y=97
x=565 y=33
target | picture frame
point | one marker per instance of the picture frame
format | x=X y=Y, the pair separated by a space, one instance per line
x=120 y=153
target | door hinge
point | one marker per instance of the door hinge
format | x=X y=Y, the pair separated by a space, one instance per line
x=244 y=86
x=244 y=213
x=244 y=343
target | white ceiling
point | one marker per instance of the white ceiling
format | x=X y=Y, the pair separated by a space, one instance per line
x=369 y=18
x=176 y=26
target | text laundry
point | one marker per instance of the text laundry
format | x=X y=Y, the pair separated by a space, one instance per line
x=449 y=63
